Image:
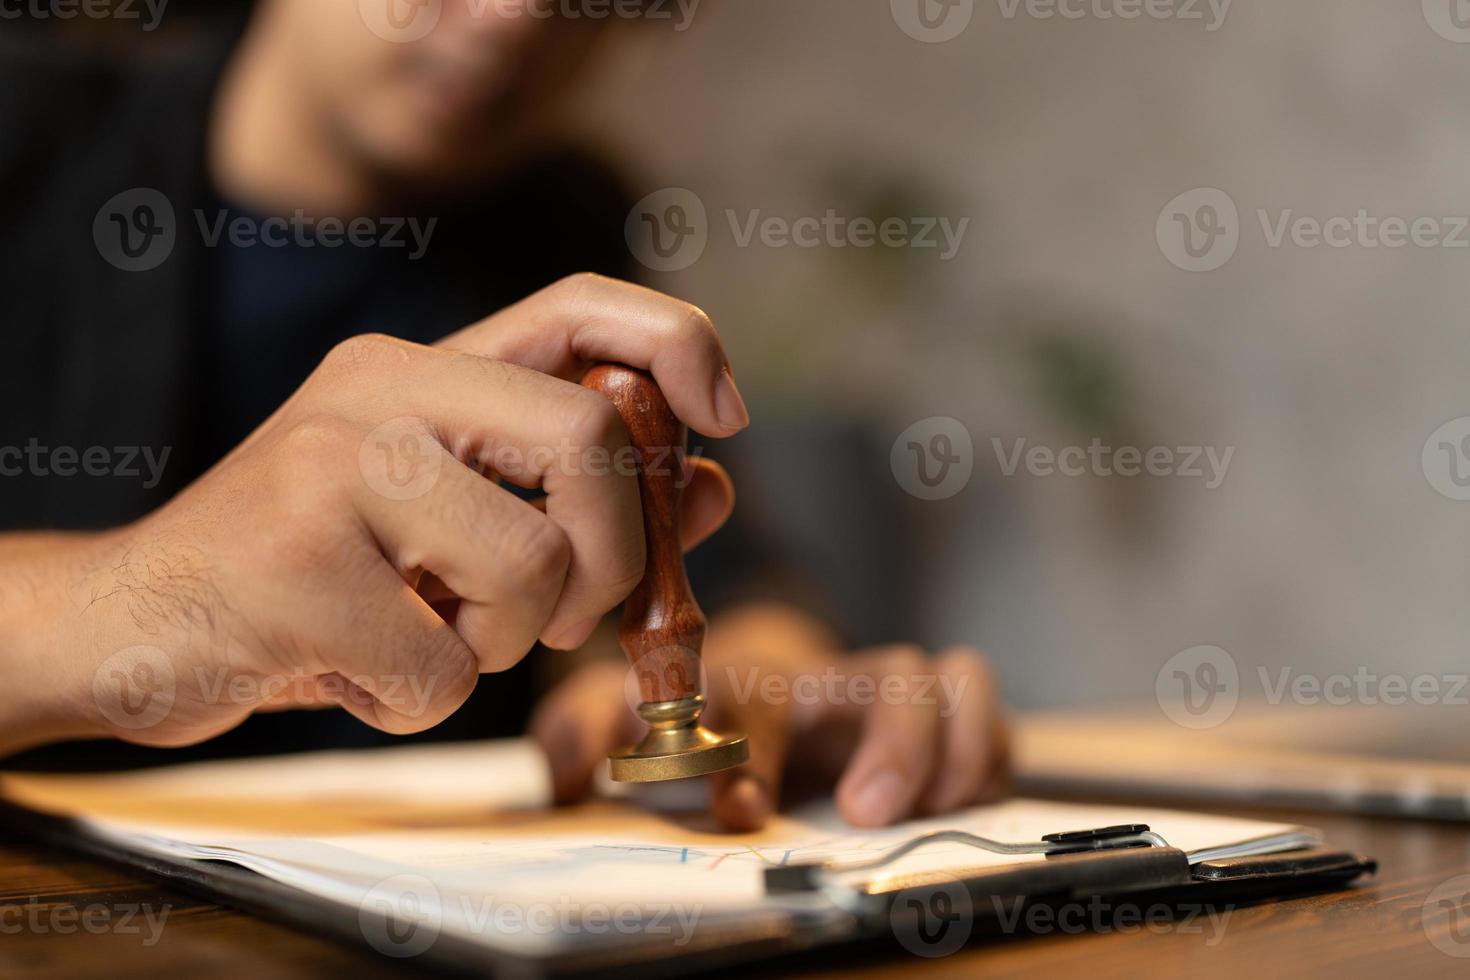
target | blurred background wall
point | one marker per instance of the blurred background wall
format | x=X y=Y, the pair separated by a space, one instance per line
x=1065 y=316
x=1062 y=318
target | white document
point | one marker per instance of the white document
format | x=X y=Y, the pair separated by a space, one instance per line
x=461 y=837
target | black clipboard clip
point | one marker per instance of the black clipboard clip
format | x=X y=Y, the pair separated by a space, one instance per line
x=822 y=876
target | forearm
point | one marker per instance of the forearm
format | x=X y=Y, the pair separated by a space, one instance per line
x=43 y=641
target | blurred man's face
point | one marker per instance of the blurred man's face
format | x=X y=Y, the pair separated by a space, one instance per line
x=429 y=88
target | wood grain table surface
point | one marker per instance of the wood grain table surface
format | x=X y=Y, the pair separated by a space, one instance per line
x=63 y=916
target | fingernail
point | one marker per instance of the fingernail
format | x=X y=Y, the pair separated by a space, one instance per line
x=729 y=406
x=877 y=801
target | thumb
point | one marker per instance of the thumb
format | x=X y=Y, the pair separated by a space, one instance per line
x=708 y=501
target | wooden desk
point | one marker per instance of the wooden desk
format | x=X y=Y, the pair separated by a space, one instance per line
x=1371 y=931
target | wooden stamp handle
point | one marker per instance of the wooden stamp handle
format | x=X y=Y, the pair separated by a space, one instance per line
x=662 y=631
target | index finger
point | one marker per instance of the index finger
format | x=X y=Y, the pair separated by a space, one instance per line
x=585 y=319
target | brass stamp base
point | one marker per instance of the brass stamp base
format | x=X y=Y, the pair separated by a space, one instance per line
x=677 y=746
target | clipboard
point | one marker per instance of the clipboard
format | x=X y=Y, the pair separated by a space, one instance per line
x=1126 y=871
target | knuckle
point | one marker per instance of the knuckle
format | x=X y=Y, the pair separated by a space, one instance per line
x=452 y=677
x=904 y=659
x=536 y=550
x=693 y=325
x=629 y=571
x=305 y=479
x=589 y=419
x=318 y=437
x=572 y=290
x=458 y=507
x=309 y=472
x=968 y=660
x=579 y=280
x=363 y=352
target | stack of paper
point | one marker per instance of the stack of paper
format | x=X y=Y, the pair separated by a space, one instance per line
x=460 y=840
